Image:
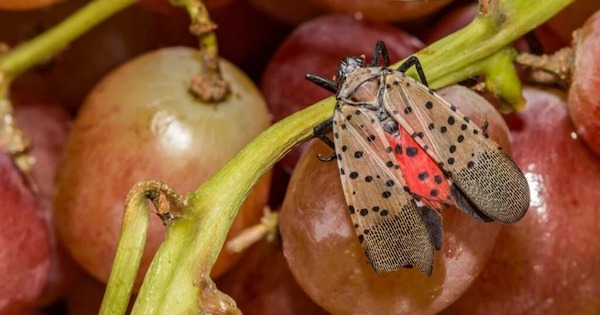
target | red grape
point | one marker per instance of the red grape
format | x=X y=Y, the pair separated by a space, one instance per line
x=141 y=123
x=317 y=47
x=26 y=4
x=24 y=246
x=452 y=22
x=166 y=8
x=384 y=9
x=325 y=256
x=584 y=104
x=86 y=298
x=548 y=262
x=264 y=285
x=290 y=11
x=47 y=124
x=571 y=18
x=261 y=36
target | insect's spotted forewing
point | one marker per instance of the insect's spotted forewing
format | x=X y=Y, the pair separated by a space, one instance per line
x=487 y=183
x=388 y=222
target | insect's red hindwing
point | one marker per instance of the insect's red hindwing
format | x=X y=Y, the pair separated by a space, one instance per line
x=403 y=152
x=423 y=176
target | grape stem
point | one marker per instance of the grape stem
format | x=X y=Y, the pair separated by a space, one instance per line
x=208 y=85
x=550 y=69
x=168 y=205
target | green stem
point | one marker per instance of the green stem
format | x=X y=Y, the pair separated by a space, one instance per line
x=25 y=55
x=131 y=246
x=174 y=281
x=502 y=79
x=484 y=36
x=133 y=238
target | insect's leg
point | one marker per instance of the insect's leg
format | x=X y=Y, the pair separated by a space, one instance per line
x=327 y=84
x=484 y=128
x=535 y=46
x=414 y=61
x=321 y=131
x=380 y=50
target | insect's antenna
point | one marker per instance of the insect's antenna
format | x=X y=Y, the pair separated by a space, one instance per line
x=327 y=84
x=414 y=61
x=380 y=50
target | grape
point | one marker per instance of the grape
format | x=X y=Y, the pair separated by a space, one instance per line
x=571 y=18
x=26 y=4
x=24 y=246
x=140 y=123
x=261 y=36
x=47 y=124
x=317 y=47
x=452 y=22
x=164 y=7
x=290 y=11
x=384 y=9
x=584 y=104
x=546 y=263
x=325 y=256
x=264 y=285
x=86 y=297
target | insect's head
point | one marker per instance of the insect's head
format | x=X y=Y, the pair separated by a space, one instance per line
x=347 y=65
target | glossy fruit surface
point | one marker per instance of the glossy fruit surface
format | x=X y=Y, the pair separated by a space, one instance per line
x=384 y=9
x=141 y=123
x=572 y=17
x=583 y=101
x=26 y=4
x=47 y=124
x=264 y=285
x=546 y=263
x=24 y=244
x=291 y=11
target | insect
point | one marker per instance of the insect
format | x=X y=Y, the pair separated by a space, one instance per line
x=404 y=153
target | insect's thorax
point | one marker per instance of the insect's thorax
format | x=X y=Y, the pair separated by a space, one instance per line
x=364 y=87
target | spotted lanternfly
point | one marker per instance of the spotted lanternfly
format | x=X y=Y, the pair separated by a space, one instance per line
x=403 y=154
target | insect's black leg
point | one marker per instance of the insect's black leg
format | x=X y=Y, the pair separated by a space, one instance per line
x=535 y=46
x=327 y=84
x=321 y=131
x=380 y=50
x=484 y=129
x=414 y=61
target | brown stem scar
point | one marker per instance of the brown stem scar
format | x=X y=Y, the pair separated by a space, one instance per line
x=549 y=69
x=168 y=203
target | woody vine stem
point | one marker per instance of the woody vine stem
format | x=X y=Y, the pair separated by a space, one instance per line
x=178 y=279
